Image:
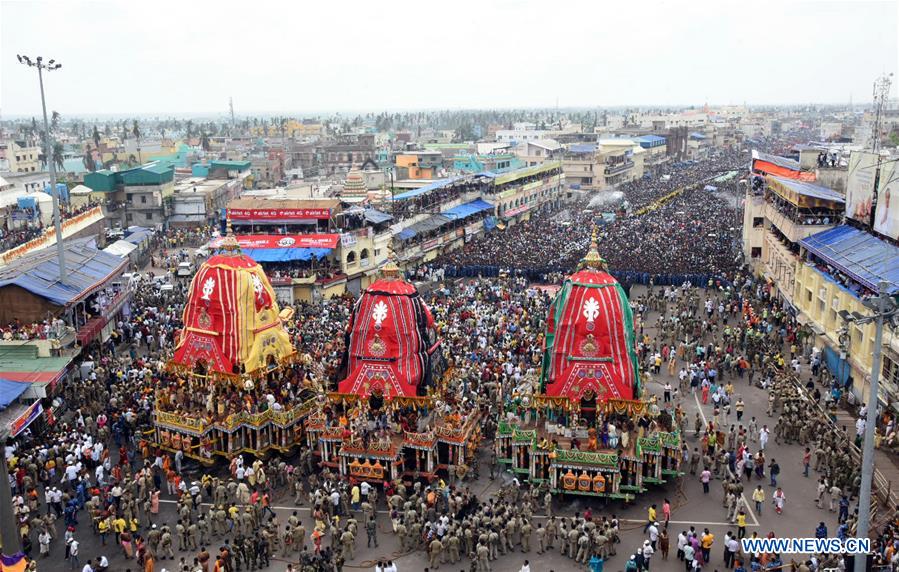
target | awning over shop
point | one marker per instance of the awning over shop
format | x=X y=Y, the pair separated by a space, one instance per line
x=10 y=391
x=375 y=216
x=858 y=254
x=429 y=224
x=285 y=254
x=805 y=195
x=466 y=210
x=405 y=234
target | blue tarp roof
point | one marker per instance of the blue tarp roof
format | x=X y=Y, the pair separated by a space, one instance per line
x=285 y=254
x=405 y=234
x=858 y=254
x=651 y=139
x=467 y=209
x=375 y=216
x=139 y=236
x=809 y=190
x=87 y=268
x=426 y=189
x=697 y=135
x=10 y=391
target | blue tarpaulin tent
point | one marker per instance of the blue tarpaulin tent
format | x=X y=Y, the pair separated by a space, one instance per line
x=426 y=189
x=285 y=254
x=88 y=269
x=466 y=210
x=10 y=391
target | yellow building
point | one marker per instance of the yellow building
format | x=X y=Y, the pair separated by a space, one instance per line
x=23 y=157
x=839 y=267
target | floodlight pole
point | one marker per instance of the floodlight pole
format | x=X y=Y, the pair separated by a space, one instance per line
x=883 y=307
x=51 y=164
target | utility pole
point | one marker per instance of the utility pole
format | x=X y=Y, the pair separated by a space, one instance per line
x=883 y=307
x=231 y=107
x=48 y=144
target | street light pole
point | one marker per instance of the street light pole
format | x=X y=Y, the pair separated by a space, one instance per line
x=883 y=307
x=50 y=66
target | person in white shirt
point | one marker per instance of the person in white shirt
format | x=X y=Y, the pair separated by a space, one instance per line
x=526 y=567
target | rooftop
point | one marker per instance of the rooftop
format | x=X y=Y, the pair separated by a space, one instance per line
x=87 y=270
x=858 y=254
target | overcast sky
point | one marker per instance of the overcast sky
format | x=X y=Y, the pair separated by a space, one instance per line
x=308 y=56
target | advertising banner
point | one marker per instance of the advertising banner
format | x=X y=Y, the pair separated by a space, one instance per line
x=886 y=215
x=860 y=185
x=278 y=214
x=25 y=419
x=287 y=240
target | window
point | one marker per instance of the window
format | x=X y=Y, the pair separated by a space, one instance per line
x=351 y=258
x=148 y=216
x=364 y=254
x=129 y=217
x=129 y=197
x=377 y=252
x=756 y=252
x=808 y=295
x=889 y=375
x=757 y=221
x=143 y=199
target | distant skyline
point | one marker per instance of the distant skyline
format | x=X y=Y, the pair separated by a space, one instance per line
x=125 y=58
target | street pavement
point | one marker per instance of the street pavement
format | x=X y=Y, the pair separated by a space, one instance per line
x=689 y=507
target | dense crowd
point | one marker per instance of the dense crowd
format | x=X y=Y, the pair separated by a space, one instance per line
x=95 y=470
x=674 y=227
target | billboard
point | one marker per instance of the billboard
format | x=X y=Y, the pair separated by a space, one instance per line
x=886 y=215
x=263 y=241
x=279 y=214
x=860 y=185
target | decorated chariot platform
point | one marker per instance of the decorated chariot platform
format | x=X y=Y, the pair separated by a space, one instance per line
x=591 y=434
x=225 y=387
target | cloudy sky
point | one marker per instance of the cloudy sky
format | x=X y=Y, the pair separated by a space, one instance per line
x=191 y=56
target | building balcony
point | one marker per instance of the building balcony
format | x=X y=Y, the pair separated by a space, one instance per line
x=618 y=168
x=794 y=230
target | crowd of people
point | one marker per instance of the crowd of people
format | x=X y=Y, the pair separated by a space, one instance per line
x=95 y=470
x=694 y=231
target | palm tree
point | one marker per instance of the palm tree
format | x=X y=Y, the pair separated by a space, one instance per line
x=135 y=130
x=204 y=141
x=96 y=136
x=54 y=120
x=88 y=159
x=190 y=128
x=58 y=153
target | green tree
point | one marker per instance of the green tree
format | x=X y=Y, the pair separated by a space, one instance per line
x=189 y=129
x=54 y=120
x=58 y=156
x=135 y=130
x=88 y=159
x=204 y=141
x=96 y=137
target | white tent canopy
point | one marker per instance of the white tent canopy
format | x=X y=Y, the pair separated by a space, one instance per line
x=120 y=248
x=80 y=190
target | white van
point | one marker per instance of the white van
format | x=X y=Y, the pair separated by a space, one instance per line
x=185 y=270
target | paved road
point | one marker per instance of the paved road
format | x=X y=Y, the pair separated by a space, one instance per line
x=690 y=507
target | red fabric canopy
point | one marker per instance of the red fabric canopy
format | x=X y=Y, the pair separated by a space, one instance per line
x=590 y=340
